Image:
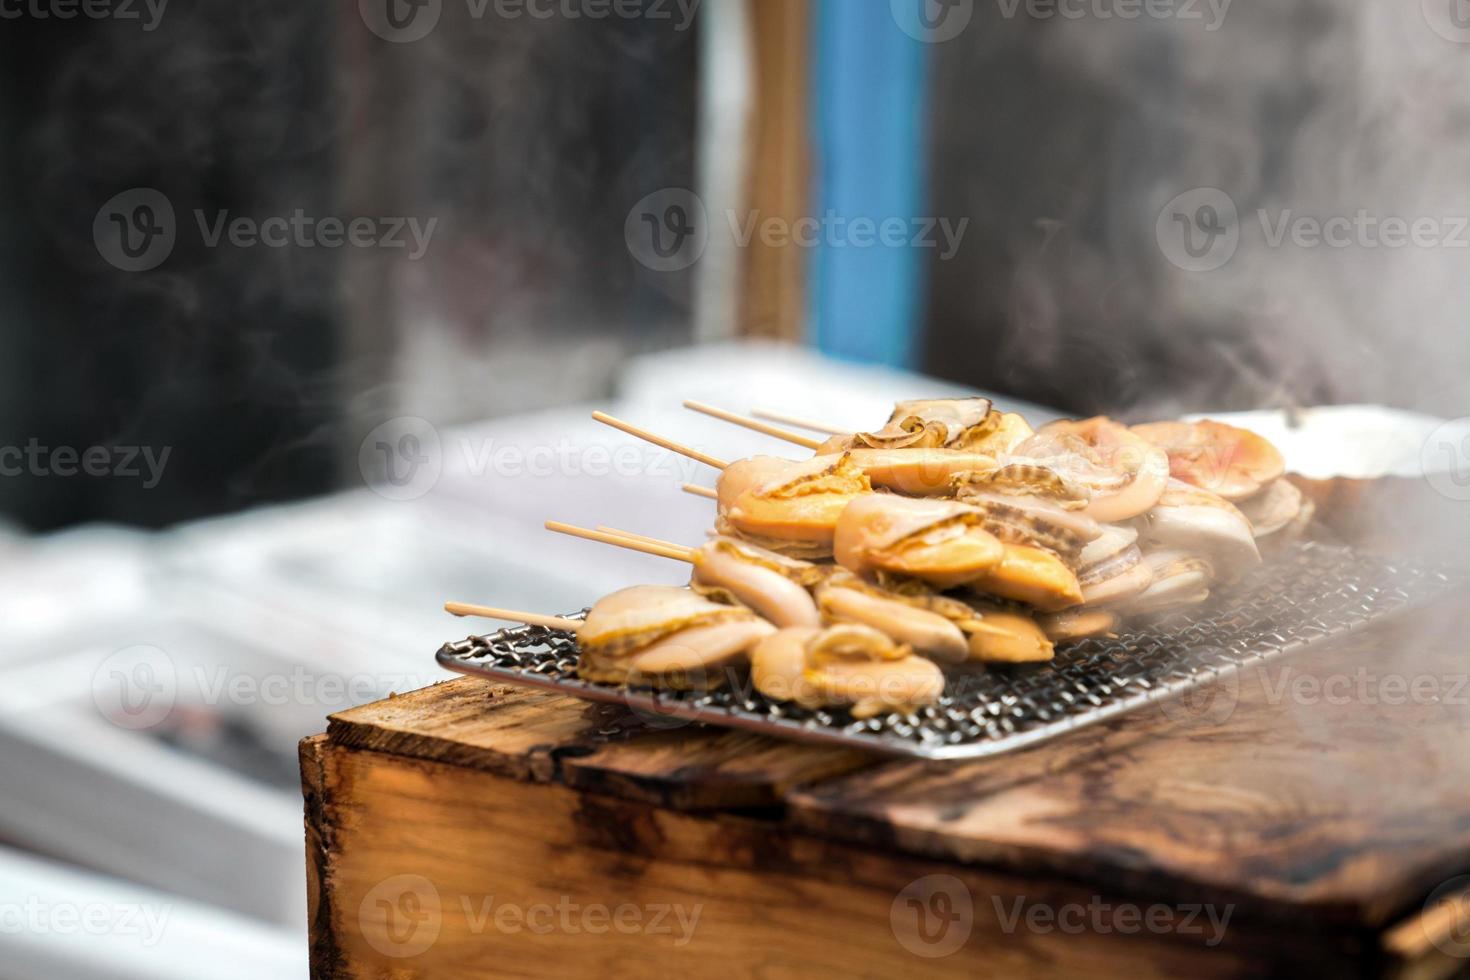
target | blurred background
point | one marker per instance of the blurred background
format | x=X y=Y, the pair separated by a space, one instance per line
x=303 y=308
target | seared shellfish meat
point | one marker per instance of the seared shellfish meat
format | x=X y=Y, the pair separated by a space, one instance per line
x=844 y=666
x=787 y=506
x=666 y=637
x=940 y=541
x=1232 y=462
x=1124 y=473
x=1202 y=523
x=774 y=585
x=945 y=629
x=944 y=423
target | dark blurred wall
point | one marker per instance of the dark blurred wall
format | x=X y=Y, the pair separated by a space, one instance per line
x=214 y=355
x=257 y=369
x=1063 y=137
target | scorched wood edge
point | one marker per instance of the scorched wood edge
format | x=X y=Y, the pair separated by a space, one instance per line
x=1320 y=801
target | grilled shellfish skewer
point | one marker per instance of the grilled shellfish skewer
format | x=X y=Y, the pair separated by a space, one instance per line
x=1229 y=461
x=771 y=584
x=917 y=472
x=939 y=541
x=928 y=632
x=955 y=424
x=650 y=634
x=1124 y=472
x=844 y=665
x=1200 y=522
x=788 y=507
x=665 y=636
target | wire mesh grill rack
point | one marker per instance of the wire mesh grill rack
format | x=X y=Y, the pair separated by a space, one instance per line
x=1311 y=592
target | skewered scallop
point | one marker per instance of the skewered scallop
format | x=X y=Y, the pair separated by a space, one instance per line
x=1034 y=521
x=1030 y=575
x=1232 y=462
x=775 y=586
x=1180 y=579
x=1120 y=576
x=1070 y=625
x=1008 y=636
x=844 y=665
x=1274 y=508
x=665 y=636
x=929 y=634
x=941 y=542
x=1125 y=473
x=1200 y=522
x=919 y=472
x=788 y=506
x=945 y=423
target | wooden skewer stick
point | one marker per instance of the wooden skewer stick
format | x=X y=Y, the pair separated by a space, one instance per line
x=658 y=542
x=663 y=551
x=757 y=426
x=797 y=421
x=668 y=444
x=513 y=615
x=700 y=491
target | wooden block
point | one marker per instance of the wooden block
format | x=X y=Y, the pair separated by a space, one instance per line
x=436 y=870
x=1320 y=800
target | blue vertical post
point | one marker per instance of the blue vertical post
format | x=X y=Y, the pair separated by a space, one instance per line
x=868 y=99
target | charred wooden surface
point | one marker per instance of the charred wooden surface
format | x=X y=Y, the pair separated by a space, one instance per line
x=439 y=870
x=1320 y=799
x=599 y=748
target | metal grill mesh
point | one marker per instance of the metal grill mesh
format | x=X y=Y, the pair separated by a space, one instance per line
x=1311 y=592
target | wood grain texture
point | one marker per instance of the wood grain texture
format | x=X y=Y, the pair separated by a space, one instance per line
x=599 y=748
x=443 y=871
x=1320 y=789
x=774 y=297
